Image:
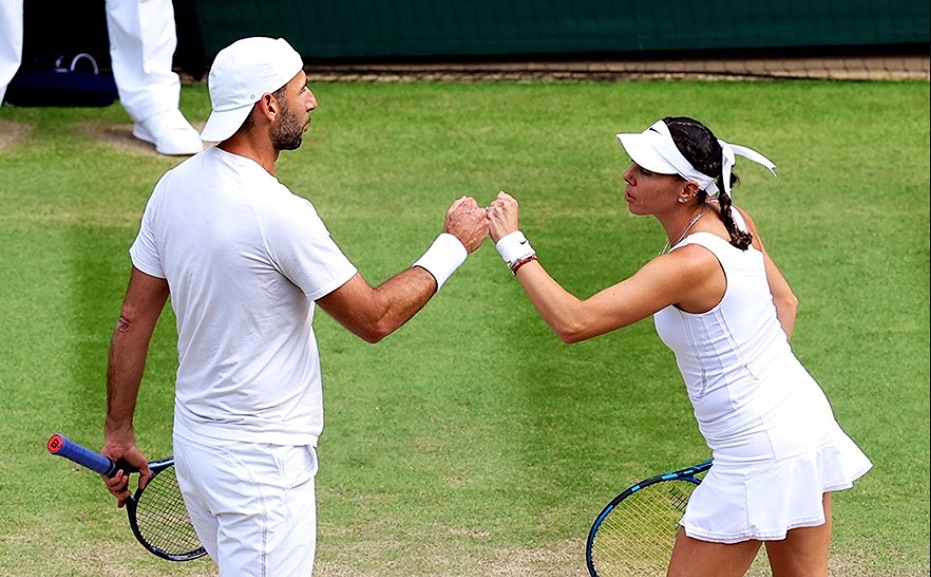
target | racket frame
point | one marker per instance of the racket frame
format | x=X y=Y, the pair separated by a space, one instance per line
x=687 y=474
x=132 y=507
x=60 y=445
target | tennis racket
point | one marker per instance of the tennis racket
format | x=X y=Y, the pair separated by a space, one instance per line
x=157 y=515
x=633 y=536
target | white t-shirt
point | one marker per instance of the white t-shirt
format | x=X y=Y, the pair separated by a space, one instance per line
x=245 y=259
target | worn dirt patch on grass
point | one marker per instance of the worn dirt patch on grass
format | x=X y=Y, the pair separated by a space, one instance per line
x=120 y=136
x=565 y=559
x=11 y=133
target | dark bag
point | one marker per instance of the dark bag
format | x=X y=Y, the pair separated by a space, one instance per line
x=68 y=81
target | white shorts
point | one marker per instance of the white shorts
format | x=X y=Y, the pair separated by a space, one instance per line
x=763 y=502
x=253 y=506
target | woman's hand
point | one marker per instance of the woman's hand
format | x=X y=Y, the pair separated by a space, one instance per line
x=502 y=216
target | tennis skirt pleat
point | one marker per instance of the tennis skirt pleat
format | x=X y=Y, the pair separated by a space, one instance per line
x=763 y=502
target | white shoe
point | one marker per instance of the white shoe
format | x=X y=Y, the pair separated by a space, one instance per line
x=170 y=132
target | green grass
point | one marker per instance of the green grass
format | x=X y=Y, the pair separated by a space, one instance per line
x=473 y=442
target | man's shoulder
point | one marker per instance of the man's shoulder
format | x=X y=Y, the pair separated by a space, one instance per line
x=279 y=202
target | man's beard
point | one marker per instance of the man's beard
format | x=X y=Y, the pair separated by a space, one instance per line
x=289 y=133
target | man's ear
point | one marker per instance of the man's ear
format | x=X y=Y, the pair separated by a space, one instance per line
x=268 y=104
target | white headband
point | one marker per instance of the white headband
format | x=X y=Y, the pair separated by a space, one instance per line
x=654 y=150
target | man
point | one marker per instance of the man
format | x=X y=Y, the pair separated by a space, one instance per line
x=142 y=39
x=244 y=261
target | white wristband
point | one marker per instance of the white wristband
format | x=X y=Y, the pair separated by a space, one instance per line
x=445 y=255
x=514 y=247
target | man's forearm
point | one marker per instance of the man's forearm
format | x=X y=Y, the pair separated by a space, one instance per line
x=125 y=367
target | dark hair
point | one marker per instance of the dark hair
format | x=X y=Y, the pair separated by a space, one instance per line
x=700 y=147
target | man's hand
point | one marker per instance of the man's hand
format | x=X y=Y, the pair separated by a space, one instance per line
x=466 y=221
x=118 y=484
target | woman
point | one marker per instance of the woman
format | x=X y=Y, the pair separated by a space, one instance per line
x=721 y=304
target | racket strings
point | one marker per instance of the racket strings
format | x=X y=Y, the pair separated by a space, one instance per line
x=163 y=519
x=636 y=537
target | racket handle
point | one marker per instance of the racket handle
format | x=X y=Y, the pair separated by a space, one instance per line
x=63 y=447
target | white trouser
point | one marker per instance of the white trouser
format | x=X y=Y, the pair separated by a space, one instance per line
x=253 y=506
x=11 y=41
x=141 y=55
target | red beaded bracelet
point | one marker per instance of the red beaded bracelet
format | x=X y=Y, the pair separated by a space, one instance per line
x=521 y=263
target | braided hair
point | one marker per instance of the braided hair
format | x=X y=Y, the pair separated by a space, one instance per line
x=700 y=147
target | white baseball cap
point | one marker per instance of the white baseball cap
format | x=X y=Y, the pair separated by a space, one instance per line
x=240 y=74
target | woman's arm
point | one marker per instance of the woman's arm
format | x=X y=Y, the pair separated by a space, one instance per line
x=785 y=300
x=666 y=280
x=685 y=276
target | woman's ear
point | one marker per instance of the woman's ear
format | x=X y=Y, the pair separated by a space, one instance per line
x=689 y=190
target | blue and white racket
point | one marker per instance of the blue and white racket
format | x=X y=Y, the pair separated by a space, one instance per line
x=634 y=535
x=157 y=514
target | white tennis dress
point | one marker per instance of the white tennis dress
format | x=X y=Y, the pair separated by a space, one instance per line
x=776 y=445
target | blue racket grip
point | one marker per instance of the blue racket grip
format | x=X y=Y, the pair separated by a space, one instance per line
x=63 y=447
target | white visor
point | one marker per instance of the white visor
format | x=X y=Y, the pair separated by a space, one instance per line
x=655 y=150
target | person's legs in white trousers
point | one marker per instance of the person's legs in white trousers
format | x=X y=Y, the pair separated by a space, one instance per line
x=11 y=41
x=252 y=505
x=141 y=58
x=143 y=39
